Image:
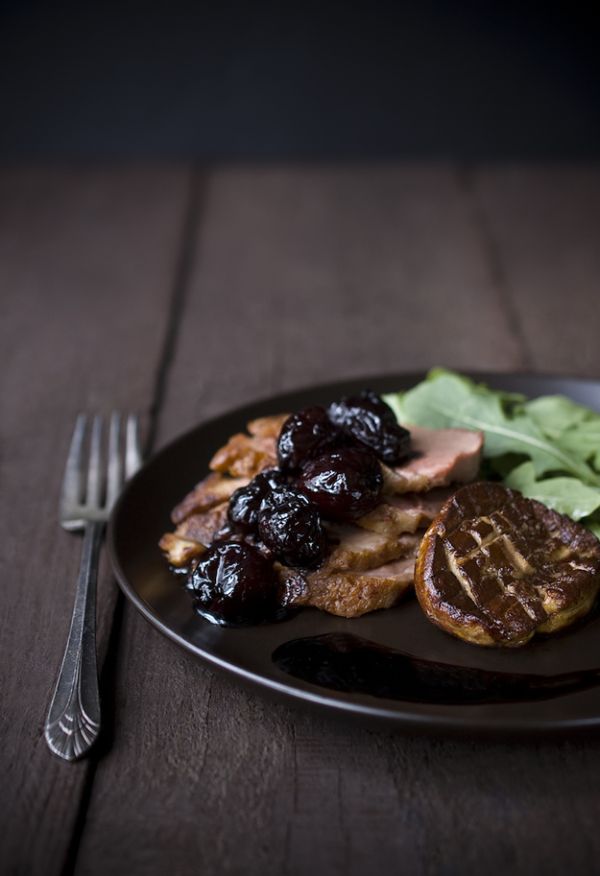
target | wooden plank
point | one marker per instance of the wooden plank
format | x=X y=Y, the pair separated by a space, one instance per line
x=304 y=275
x=542 y=225
x=86 y=268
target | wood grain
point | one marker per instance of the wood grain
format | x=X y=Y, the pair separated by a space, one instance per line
x=297 y=275
x=308 y=274
x=301 y=275
x=542 y=227
x=86 y=266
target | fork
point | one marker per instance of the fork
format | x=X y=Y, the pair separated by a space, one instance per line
x=73 y=722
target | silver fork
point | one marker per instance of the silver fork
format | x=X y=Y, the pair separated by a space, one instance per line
x=73 y=722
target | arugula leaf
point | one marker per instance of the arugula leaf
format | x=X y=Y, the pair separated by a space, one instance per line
x=575 y=428
x=556 y=414
x=449 y=400
x=584 y=440
x=547 y=448
x=566 y=495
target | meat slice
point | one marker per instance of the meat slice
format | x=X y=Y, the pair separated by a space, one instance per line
x=441 y=457
x=347 y=593
x=494 y=568
x=203 y=525
x=267 y=427
x=179 y=551
x=364 y=572
x=358 y=550
x=406 y=513
x=211 y=491
x=247 y=455
x=193 y=535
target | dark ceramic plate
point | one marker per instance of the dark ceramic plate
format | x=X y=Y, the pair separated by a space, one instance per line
x=548 y=686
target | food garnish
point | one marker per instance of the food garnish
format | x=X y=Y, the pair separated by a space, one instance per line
x=234 y=584
x=548 y=448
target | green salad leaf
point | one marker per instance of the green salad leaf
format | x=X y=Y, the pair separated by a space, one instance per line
x=556 y=414
x=548 y=448
x=566 y=495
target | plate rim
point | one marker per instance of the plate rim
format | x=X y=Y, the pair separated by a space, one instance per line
x=401 y=719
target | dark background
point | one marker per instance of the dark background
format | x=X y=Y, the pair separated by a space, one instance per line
x=465 y=80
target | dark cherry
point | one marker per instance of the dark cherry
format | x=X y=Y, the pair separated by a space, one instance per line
x=244 y=504
x=290 y=526
x=372 y=422
x=234 y=584
x=305 y=435
x=344 y=484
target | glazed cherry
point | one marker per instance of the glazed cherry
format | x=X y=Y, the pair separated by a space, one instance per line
x=344 y=484
x=290 y=526
x=372 y=422
x=305 y=435
x=244 y=504
x=234 y=584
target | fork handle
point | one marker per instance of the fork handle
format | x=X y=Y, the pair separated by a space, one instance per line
x=73 y=721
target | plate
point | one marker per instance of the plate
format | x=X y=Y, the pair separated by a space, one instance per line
x=253 y=654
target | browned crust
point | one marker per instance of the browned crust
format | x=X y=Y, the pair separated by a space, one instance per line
x=245 y=455
x=193 y=535
x=211 y=491
x=409 y=512
x=360 y=551
x=180 y=551
x=348 y=593
x=460 y=624
x=267 y=427
x=551 y=607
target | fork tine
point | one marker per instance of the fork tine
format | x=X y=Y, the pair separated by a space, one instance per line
x=94 y=479
x=114 y=476
x=71 y=485
x=133 y=454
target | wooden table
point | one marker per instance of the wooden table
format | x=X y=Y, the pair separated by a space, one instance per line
x=180 y=292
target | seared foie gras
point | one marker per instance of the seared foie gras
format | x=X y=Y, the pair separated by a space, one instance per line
x=494 y=568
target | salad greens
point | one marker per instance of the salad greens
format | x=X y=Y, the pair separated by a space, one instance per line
x=547 y=448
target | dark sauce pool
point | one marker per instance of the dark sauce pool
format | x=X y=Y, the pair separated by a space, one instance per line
x=349 y=663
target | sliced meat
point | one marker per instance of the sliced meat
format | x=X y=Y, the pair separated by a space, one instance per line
x=350 y=594
x=203 y=525
x=267 y=427
x=358 y=550
x=442 y=457
x=214 y=489
x=247 y=455
x=406 y=513
x=180 y=551
x=494 y=568
x=193 y=535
